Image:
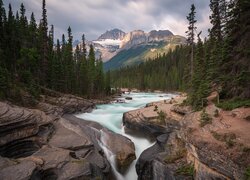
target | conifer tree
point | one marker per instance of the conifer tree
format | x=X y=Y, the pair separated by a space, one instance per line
x=32 y=31
x=107 y=83
x=83 y=69
x=191 y=34
x=91 y=70
x=44 y=45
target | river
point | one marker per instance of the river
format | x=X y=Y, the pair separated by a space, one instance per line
x=110 y=116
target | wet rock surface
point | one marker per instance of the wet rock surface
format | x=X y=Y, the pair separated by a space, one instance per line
x=121 y=146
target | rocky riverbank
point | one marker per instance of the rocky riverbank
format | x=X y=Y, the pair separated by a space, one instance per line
x=47 y=142
x=209 y=144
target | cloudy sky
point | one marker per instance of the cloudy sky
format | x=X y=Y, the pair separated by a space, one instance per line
x=94 y=17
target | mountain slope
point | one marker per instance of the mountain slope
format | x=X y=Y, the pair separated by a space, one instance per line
x=137 y=53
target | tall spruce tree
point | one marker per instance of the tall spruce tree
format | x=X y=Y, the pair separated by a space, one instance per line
x=190 y=35
x=83 y=69
x=44 y=45
x=91 y=70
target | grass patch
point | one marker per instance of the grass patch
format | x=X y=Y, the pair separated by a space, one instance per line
x=233 y=104
x=186 y=170
x=228 y=138
x=77 y=161
x=247 y=173
x=178 y=155
x=205 y=118
x=246 y=149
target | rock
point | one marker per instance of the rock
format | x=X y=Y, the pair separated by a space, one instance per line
x=122 y=147
x=120 y=101
x=71 y=104
x=150 y=125
x=50 y=109
x=54 y=158
x=182 y=110
x=93 y=153
x=69 y=136
x=128 y=98
x=79 y=169
x=22 y=130
x=22 y=171
x=42 y=145
x=144 y=166
x=94 y=157
x=16 y=123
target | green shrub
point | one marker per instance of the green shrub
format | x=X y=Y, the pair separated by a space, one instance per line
x=4 y=82
x=161 y=116
x=228 y=138
x=186 y=170
x=205 y=119
x=234 y=103
x=247 y=173
x=178 y=155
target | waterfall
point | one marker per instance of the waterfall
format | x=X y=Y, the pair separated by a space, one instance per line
x=110 y=116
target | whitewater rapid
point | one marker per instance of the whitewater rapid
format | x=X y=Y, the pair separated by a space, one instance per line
x=110 y=116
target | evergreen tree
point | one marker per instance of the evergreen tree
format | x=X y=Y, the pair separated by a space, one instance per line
x=107 y=84
x=32 y=31
x=190 y=34
x=236 y=64
x=91 y=70
x=83 y=69
x=99 y=83
x=2 y=17
x=43 y=29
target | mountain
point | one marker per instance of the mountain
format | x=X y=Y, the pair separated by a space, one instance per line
x=118 y=48
x=108 y=43
x=140 y=37
x=112 y=34
x=138 y=46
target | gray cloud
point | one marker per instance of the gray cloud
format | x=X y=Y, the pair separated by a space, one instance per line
x=93 y=17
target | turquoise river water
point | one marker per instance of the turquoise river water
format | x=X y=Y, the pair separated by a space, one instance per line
x=110 y=116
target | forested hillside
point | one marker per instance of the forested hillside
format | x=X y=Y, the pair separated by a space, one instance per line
x=219 y=63
x=166 y=72
x=29 y=59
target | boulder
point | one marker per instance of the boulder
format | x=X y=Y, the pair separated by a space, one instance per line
x=53 y=158
x=16 y=123
x=40 y=144
x=23 y=171
x=144 y=166
x=69 y=136
x=128 y=98
x=122 y=147
x=70 y=104
x=149 y=125
x=22 y=131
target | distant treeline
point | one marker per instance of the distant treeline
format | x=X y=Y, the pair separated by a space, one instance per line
x=221 y=62
x=30 y=60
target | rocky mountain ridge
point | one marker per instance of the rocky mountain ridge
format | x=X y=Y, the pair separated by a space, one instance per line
x=112 y=42
x=112 y=34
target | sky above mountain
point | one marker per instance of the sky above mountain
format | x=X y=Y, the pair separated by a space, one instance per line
x=93 y=17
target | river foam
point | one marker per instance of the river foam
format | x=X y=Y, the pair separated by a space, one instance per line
x=110 y=116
